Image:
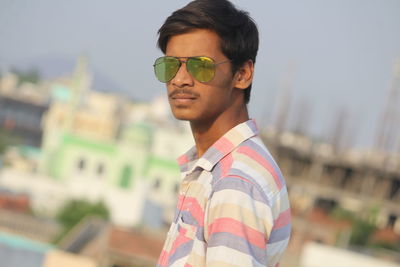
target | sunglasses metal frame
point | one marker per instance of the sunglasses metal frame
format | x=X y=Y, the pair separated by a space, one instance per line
x=179 y=59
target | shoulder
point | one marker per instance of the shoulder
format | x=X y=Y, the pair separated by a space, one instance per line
x=250 y=166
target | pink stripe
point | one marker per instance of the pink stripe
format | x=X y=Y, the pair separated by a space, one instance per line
x=228 y=225
x=226 y=164
x=239 y=177
x=255 y=125
x=183 y=160
x=283 y=219
x=163 y=260
x=180 y=240
x=223 y=145
x=257 y=157
x=181 y=198
x=191 y=204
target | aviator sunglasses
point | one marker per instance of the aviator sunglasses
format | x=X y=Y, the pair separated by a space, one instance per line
x=201 y=68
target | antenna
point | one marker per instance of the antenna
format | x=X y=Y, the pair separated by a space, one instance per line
x=285 y=100
x=388 y=129
x=339 y=130
x=302 y=117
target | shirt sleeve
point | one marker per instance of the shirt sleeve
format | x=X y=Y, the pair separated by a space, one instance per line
x=238 y=224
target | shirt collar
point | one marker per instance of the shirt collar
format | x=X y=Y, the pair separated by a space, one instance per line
x=223 y=146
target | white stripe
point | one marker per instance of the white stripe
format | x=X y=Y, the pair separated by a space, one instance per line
x=199 y=248
x=238 y=198
x=246 y=131
x=280 y=202
x=259 y=142
x=230 y=256
x=181 y=262
x=265 y=180
x=277 y=247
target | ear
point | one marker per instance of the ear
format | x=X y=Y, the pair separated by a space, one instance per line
x=244 y=75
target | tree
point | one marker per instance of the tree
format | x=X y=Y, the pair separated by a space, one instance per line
x=6 y=139
x=29 y=76
x=75 y=210
x=362 y=227
x=361 y=232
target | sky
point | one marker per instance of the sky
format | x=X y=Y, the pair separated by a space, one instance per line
x=336 y=55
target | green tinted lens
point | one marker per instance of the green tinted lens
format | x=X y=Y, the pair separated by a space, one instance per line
x=201 y=68
x=166 y=68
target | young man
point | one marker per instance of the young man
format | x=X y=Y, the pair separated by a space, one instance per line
x=233 y=208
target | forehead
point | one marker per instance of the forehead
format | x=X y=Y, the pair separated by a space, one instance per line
x=199 y=42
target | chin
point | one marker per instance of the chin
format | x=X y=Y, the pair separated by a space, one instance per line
x=183 y=117
x=183 y=114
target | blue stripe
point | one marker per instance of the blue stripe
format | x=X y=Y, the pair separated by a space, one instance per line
x=182 y=251
x=213 y=155
x=280 y=234
x=188 y=218
x=257 y=184
x=252 y=126
x=216 y=173
x=251 y=189
x=262 y=150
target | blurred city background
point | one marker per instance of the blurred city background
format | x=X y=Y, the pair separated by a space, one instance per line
x=88 y=176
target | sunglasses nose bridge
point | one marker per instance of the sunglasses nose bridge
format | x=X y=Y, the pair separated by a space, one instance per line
x=182 y=61
x=181 y=77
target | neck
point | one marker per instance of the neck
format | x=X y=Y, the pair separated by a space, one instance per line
x=206 y=133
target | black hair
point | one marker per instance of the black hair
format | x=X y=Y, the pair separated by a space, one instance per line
x=236 y=29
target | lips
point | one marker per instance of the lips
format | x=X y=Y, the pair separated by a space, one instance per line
x=183 y=96
x=180 y=98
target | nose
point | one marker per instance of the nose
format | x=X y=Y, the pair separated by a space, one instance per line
x=182 y=77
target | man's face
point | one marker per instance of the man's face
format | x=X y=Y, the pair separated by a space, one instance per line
x=193 y=100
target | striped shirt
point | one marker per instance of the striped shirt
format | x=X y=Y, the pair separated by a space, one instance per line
x=233 y=207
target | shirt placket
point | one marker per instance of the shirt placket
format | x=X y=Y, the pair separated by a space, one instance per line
x=184 y=189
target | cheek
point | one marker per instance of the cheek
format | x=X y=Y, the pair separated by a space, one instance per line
x=168 y=86
x=222 y=91
x=216 y=99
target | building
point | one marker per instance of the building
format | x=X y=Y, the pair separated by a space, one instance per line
x=21 y=110
x=367 y=186
x=102 y=147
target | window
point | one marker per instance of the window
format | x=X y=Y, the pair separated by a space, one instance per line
x=157 y=183
x=392 y=221
x=394 y=189
x=176 y=188
x=81 y=164
x=100 y=169
x=126 y=177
